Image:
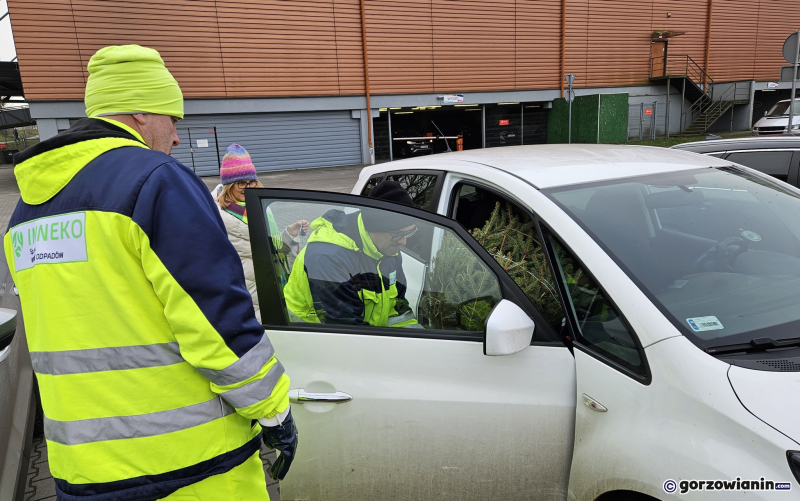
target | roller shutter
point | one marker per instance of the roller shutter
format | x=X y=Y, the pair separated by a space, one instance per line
x=275 y=141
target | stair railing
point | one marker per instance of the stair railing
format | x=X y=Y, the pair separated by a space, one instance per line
x=739 y=91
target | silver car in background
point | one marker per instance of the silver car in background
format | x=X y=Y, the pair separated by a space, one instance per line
x=17 y=403
x=776 y=120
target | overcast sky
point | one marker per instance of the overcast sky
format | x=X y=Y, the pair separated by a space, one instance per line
x=7 y=51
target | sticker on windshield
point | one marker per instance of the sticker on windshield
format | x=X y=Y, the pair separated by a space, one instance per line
x=751 y=235
x=699 y=324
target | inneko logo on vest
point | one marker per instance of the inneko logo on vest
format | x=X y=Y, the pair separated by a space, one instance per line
x=16 y=241
x=56 y=239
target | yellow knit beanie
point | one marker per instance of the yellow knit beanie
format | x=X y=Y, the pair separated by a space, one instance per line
x=127 y=79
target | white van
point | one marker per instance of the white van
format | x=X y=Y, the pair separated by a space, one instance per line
x=776 y=120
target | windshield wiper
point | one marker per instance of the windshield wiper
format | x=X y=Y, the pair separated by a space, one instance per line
x=758 y=344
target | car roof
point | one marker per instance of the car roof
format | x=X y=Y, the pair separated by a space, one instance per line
x=742 y=143
x=551 y=165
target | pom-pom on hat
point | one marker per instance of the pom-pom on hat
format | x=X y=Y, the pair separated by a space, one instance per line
x=237 y=166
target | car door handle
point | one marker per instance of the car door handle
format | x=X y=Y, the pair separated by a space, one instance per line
x=300 y=396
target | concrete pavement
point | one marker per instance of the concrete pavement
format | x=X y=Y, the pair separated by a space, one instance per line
x=40 y=485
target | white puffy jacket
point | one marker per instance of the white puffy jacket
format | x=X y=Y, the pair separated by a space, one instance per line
x=239 y=235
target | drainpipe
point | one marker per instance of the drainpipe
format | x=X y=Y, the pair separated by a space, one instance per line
x=563 y=42
x=752 y=103
x=708 y=41
x=366 y=85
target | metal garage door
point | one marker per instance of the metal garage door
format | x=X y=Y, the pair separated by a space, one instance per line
x=275 y=141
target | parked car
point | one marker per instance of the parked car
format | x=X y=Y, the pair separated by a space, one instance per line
x=409 y=143
x=597 y=322
x=17 y=404
x=776 y=120
x=778 y=156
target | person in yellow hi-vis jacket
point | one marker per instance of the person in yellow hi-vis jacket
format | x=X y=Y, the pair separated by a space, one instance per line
x=151 y=364
x=351 y=271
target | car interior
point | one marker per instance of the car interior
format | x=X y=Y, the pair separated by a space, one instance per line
x=702 y=245
x=446 y=285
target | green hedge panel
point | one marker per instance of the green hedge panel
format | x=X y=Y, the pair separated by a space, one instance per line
x=608 y=112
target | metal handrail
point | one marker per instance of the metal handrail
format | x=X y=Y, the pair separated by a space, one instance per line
x=717 y=107
x=691 y=69
x=695 y=73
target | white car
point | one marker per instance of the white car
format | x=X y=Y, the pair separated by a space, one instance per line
x=776 y=120
x=597 y=323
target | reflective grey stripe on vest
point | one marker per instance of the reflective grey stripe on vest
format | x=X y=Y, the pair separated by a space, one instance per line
x=244 y=368
x=142 y=425
x=58 y=363
x=255 y=392
x=397 y=319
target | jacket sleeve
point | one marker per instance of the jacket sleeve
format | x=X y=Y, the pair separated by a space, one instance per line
x=197 y=275
x=334 y=290
x=401 y=314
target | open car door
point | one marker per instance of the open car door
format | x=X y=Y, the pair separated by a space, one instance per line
x=411 y=407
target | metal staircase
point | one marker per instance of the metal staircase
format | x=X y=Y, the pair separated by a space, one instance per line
x=697 y=86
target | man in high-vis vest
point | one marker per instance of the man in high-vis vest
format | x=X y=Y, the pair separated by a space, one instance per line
x=151 y=365
x=351 y=271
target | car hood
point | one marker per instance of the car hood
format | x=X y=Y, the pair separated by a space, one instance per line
x=773 y=397
x=776 y=121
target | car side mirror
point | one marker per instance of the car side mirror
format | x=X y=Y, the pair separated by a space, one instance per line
x=8 y=326
x=766 y=113
x=508 y=330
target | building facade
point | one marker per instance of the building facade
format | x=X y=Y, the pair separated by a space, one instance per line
x=291 y=79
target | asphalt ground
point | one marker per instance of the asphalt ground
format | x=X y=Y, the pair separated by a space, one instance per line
x=40 y=485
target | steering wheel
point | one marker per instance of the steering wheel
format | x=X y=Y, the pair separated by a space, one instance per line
x=721 y=256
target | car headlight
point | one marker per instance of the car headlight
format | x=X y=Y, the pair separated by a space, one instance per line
x=794 y=463
x=409 y=142
x=796 y=127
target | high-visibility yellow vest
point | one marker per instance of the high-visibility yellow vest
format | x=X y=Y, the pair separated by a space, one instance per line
x=150 y=362
x=343 y=278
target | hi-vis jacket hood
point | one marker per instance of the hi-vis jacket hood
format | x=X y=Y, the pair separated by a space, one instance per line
x=149 y=359
x=340 y=277
x=45 y=168
x=324 y=231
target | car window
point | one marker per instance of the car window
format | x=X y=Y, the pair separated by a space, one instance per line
x=373 y=182
x=774 y=163
x=358 y=270
x=509 y=234
x=421 y=187
x=599 y=326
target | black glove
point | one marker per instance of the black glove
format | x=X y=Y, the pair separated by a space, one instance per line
x=283 y=438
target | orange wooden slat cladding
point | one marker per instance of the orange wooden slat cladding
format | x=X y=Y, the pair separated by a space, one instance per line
x=246 y=48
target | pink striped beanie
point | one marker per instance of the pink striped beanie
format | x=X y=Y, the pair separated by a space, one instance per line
x=236 y=165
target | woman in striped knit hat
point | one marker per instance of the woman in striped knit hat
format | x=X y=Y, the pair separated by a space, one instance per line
x=236 y=174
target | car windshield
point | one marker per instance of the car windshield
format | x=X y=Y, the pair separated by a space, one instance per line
x=781 y=109
x=716 y=249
